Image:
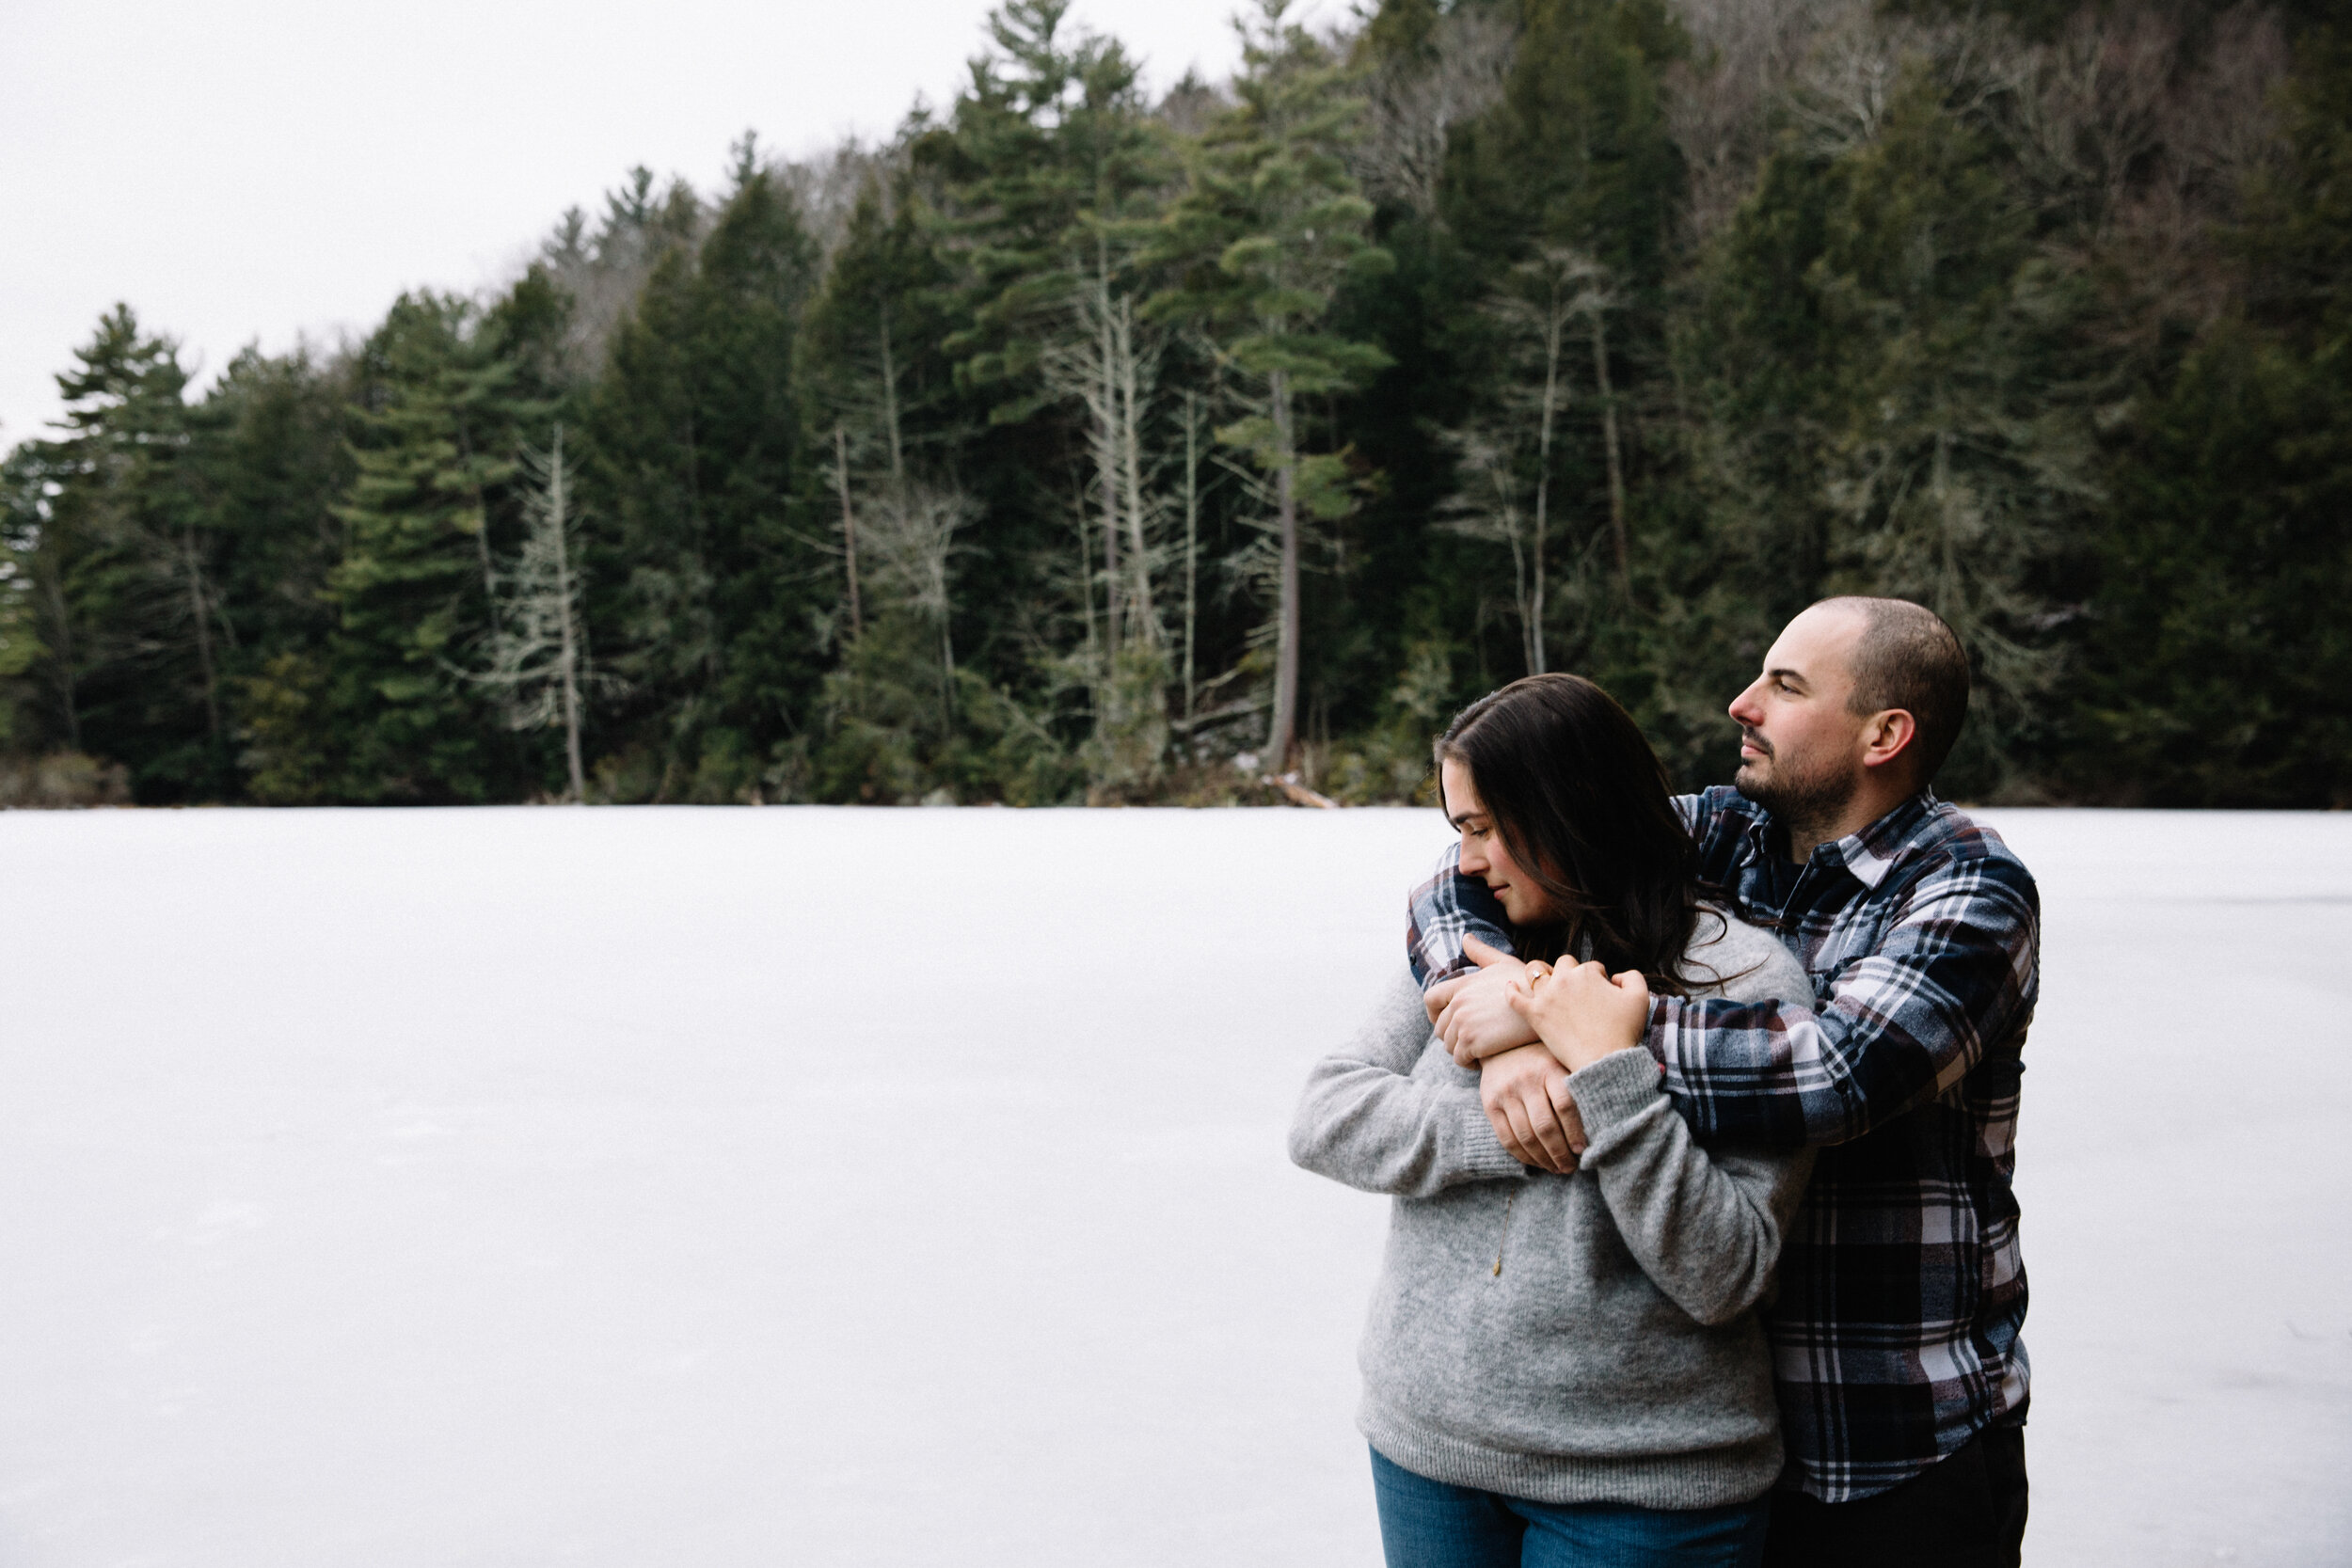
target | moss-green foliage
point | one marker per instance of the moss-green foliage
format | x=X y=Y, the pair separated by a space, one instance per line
x=1948 y=303
x=122 y=566
x=1885 y=329
x=2221 y=666
x=695 y=432
x=411 y=589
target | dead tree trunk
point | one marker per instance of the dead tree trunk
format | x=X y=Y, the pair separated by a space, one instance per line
x=848 y=527
x=1129 y=369
x=1192 y=544
x=1102 y=398
x=1555 y=323
x=567 y=622
x=199 y=614
x=1283 y=734
x=1615 y=460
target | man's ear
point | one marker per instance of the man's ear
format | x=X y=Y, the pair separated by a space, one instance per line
x=1887 y=738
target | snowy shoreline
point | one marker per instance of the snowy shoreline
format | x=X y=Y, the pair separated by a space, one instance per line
x=485 y=1184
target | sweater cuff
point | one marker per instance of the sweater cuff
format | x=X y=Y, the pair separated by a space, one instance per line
x=1621 y=1084
x=1484 y=1158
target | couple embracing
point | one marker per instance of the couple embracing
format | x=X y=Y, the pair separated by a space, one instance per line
x=1698 y=1113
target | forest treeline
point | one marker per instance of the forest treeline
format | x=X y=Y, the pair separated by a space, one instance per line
x=1074 y=445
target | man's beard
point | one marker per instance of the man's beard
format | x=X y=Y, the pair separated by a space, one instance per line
x=1800 y=800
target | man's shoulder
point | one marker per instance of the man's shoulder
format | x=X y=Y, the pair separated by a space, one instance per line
x=1718 y=809
x=1946 y=836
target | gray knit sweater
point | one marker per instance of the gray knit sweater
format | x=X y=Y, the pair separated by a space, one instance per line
x=1565 y=1338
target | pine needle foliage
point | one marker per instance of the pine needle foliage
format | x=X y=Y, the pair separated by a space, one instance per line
x=1071 y=444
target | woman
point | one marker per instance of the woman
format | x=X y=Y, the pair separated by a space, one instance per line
x=1564 y=1369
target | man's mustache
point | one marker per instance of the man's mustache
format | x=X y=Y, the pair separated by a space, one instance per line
x=1752 y=738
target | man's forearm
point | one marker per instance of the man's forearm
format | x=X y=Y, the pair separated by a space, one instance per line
x=1785 y=1077
x=1442 y=913
x=1949 y=970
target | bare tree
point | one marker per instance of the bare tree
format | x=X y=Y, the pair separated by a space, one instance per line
x=1595 y=303
x=2092 y=104
x=1745 y=53
x=909 y=530
x=848 y=526
x=1845 y=86
x=604 y=268
x=1193 y=430
x=203 y=612
x=1491 y=506
x=1106 y=361
x=1109 y=364
x=1507 y=457
x=2222 y=125
x=2215 y=128
x=1413 y=101
x=827 y=185
x=1545 y=295
x=537 y=656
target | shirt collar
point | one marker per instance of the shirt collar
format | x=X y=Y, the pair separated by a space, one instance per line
x=1866 y=855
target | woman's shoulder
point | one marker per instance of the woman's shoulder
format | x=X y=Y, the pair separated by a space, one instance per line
x=1731 y=959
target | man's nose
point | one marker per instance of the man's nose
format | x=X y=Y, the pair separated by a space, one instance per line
x=1743 y=709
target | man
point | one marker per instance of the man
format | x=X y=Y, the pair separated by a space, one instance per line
x=1901 y=1376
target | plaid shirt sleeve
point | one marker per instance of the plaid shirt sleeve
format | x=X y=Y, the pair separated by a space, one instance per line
x=1901 y=1019
x=1450 y=906
x=1444 y=911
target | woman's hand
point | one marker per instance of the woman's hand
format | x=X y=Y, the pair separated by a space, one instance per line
x=1477 y=1021
x=1526 y=1096
x=1582 y=1013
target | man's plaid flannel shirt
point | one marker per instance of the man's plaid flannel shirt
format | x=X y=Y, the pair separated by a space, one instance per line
x=1895 y=1336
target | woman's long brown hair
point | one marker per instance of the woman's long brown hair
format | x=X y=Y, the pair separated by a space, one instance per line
x=1582 y=804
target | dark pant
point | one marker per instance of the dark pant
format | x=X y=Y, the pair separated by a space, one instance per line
x=1431 y=1524
x=1966 y=1512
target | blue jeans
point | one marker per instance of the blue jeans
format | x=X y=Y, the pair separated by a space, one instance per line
x=1429 y=1524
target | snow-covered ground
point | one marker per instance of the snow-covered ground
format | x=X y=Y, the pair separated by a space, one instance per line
x=731 y=1187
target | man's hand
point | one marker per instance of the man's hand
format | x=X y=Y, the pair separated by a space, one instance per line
x=1582 y=1013
x=1526 y=1097
x=1477 y=1020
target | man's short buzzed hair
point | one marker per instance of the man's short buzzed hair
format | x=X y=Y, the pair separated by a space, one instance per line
x=1909 y=658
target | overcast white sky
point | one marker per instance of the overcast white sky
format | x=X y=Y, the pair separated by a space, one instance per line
x=264 y=169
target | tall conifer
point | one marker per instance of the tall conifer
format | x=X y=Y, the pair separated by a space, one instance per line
x=697 y=429
x=412 y=587
x=1268 y=229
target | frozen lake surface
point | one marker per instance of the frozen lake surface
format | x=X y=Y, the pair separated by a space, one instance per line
x=738 y=1186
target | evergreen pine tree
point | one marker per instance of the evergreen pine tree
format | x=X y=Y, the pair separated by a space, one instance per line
x=1723 y=308
x=697 y=440
x=1055 y=174
x=2220 y=664
x=1269 y=227
x=437 y=432
x=128 y=577
x=24 y=481
x=274 y=460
